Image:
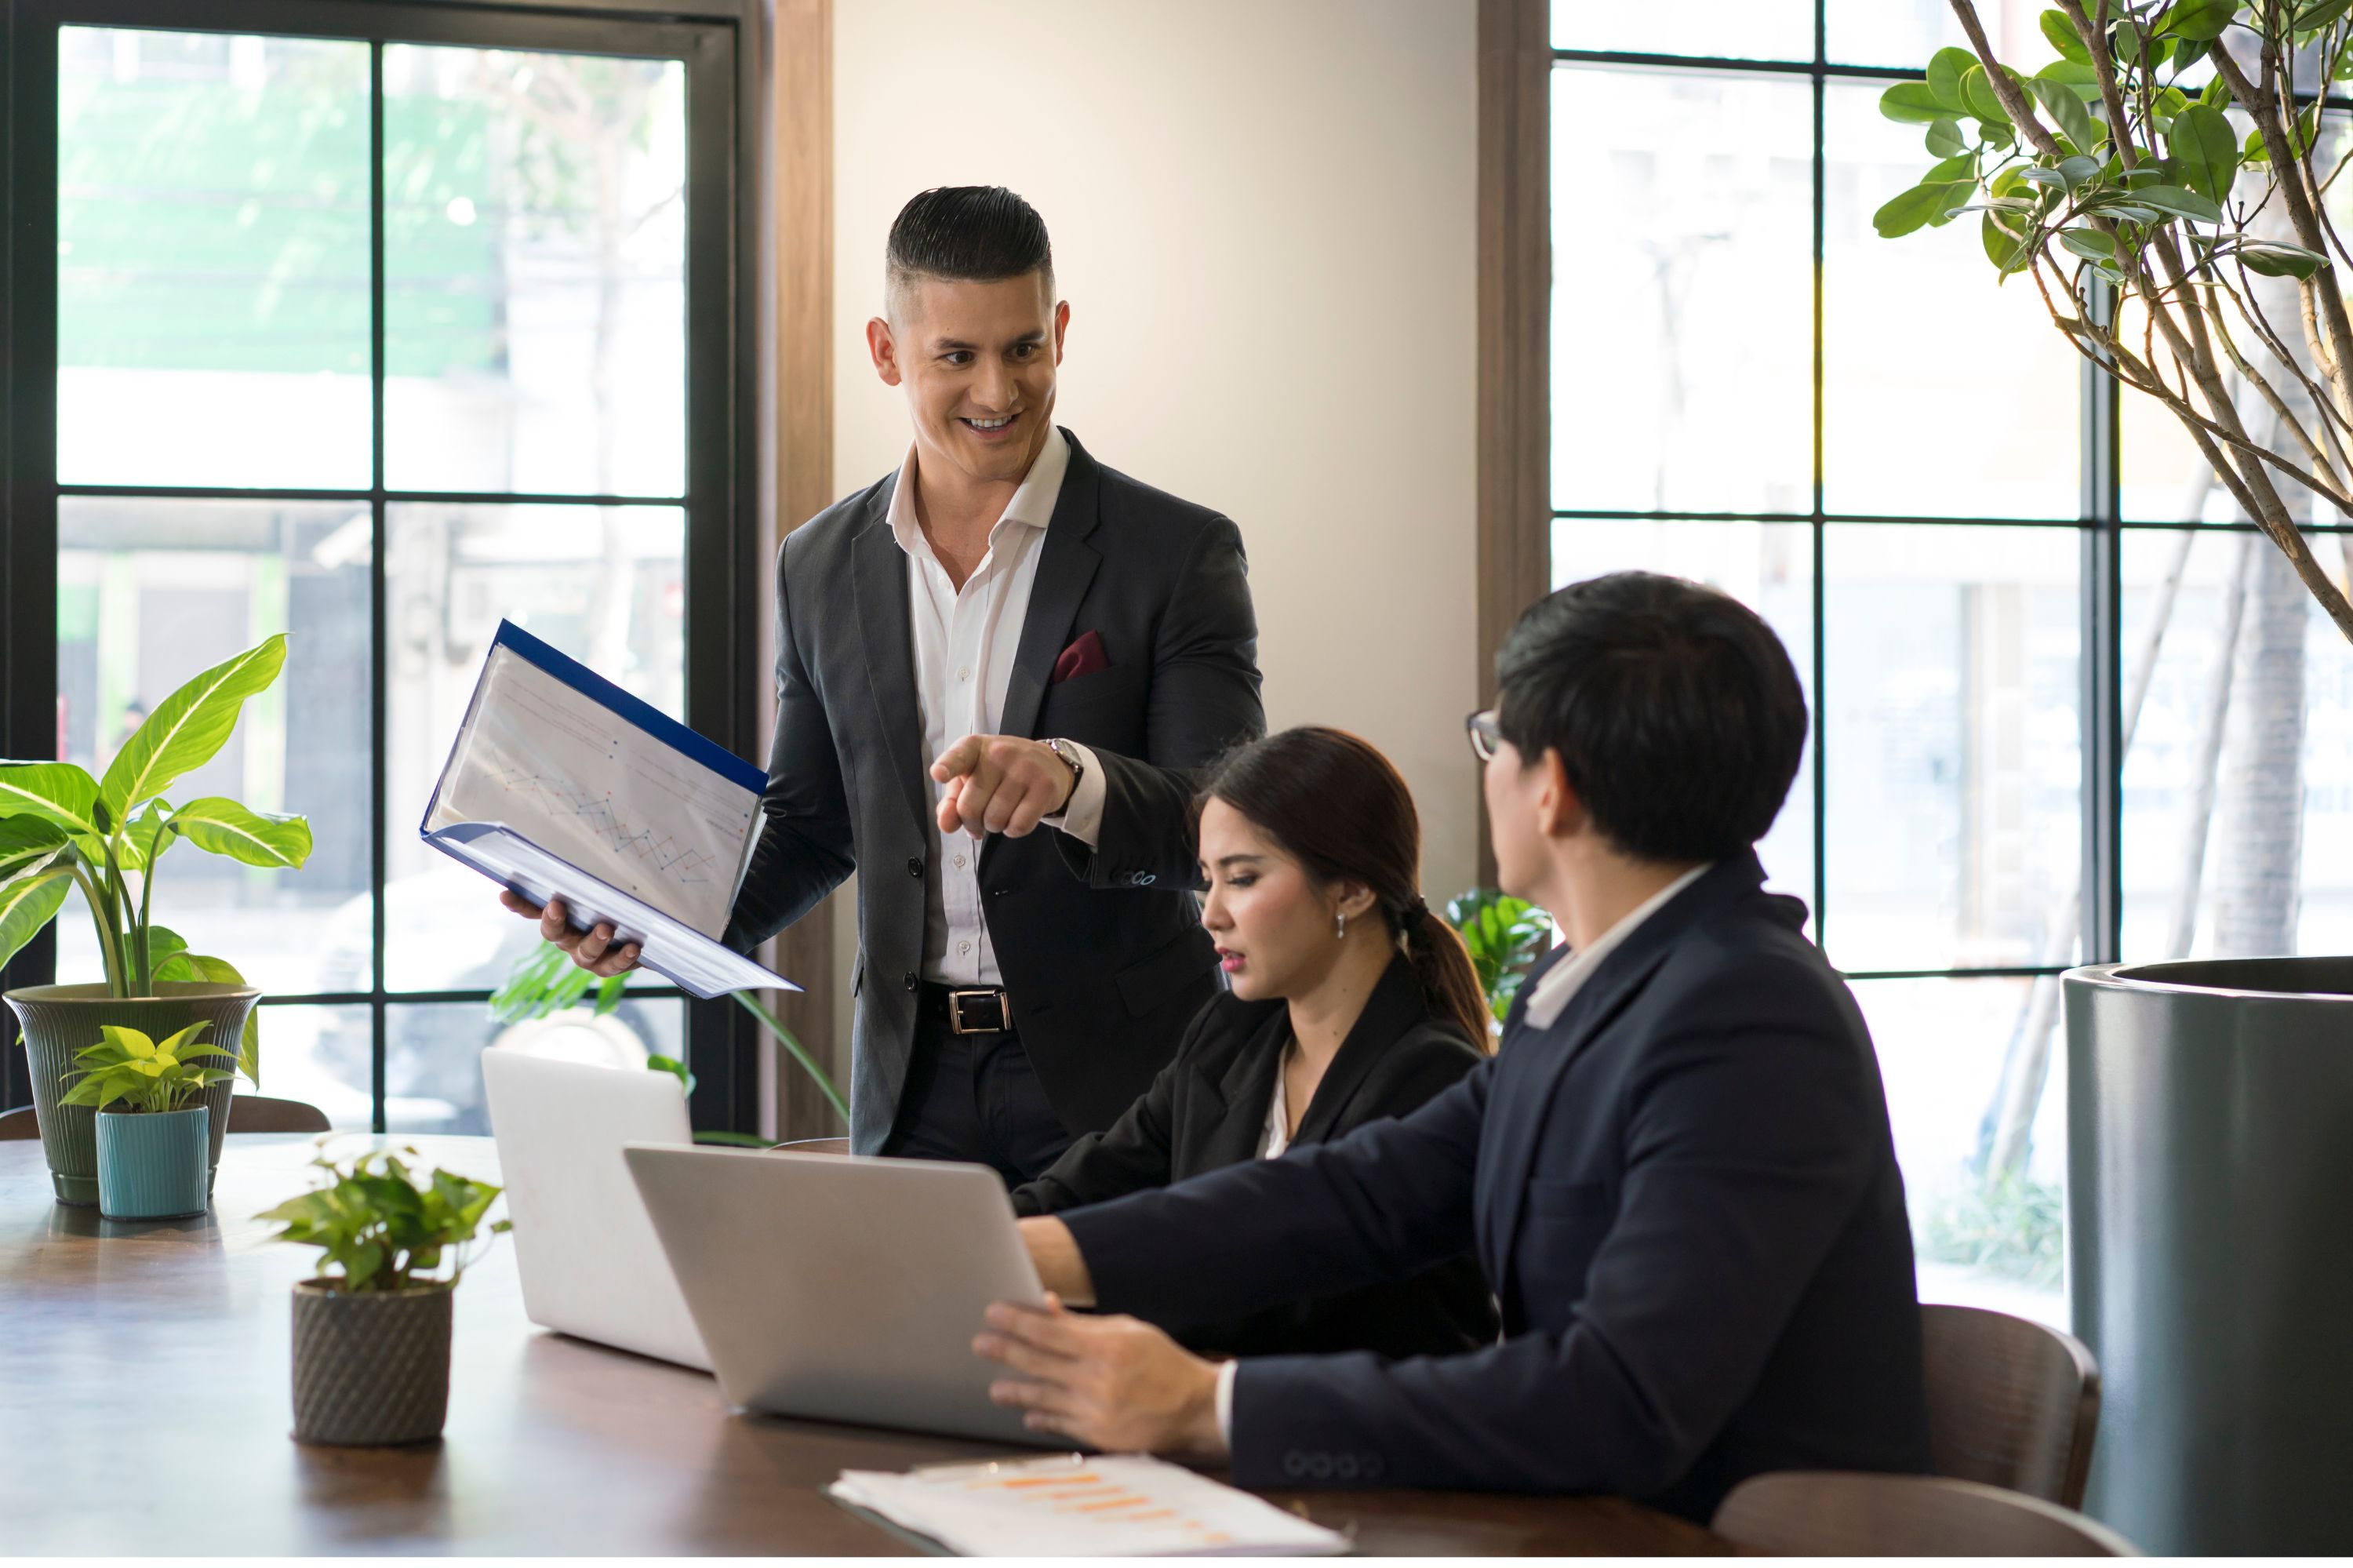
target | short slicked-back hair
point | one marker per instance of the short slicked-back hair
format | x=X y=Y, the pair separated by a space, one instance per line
x=965 y=234
x=1676 y=710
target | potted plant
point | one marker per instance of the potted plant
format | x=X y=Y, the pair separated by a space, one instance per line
x=371 y=1337
x=1504 y=936
x=2164 y=185
x=151 y=1133
x=62 y=830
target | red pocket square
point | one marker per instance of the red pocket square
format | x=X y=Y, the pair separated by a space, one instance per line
x=1083 y=657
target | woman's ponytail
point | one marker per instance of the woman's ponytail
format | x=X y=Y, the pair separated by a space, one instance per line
x=1448 y=978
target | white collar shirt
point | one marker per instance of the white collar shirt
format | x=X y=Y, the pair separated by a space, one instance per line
x=1566 y=978
x=964 y=642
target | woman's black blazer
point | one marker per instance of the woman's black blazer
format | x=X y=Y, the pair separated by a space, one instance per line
x=1208 y=1109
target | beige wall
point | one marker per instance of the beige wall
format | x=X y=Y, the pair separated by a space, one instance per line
x=1264 y=214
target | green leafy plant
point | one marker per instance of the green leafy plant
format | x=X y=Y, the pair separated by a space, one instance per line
x=128 y=1069
x=545 y=981
x=678 y=1069
x=2181 y=238
x=381 y=1227
x=1504 y=936
x=61 y=829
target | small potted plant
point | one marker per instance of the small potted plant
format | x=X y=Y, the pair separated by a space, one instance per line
x=371 y=1337
x=152 y=1135
x=61 y=829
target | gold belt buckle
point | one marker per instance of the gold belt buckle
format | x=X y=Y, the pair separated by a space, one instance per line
x=956 y=999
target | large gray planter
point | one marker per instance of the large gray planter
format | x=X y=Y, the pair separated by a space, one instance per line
x=2210 y=1179
x=61 y=1021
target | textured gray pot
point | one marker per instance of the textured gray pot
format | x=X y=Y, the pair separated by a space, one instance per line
x=2210 y=1166
x=370 y=1367
x=61 y=1020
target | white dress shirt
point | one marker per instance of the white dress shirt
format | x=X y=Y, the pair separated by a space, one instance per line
x=964 y=642
x=1276 y=1136
x=1545 y=1004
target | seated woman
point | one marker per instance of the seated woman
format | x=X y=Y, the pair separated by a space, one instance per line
x=1350 y=1001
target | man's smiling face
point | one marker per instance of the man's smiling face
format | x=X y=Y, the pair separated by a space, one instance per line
x=977 y=362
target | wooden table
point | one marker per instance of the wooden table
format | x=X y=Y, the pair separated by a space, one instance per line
x=145 y=1405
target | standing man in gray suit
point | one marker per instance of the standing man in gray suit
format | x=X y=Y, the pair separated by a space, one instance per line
x=997 y=670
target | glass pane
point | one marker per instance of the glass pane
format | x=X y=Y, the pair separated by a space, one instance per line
x=1724 y=30
x=1976 y=1090
x=1906 y=32
x=1683 y=327
x=1768 y=567
x=2238 y=827
x=212 y=260
x=433 y=1069
x=606 y=585
x=320 y=1054
x=150 y=593
x=1944 y=393
x=1954 y=777
x=534 y=272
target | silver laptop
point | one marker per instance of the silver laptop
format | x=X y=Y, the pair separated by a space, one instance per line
x=590 y=1264
x=844 y=1288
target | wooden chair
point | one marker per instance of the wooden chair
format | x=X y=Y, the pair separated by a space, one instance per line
x=261 y=1113
x=2010 y=1402
x=247 y=1113
x=1837 y=1513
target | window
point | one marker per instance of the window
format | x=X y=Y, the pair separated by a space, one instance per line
x=2034 y=637
x=375 y=333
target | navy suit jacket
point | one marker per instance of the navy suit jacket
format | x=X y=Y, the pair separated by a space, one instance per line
x=1685 y=1192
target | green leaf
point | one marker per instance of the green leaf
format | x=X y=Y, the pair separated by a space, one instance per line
x=2089 y=243
x=2273 y=259
x=2203 y=20
x=27 y=842
x=1917 y=208
x=2320 y=14
x=2126 y=42
x=2061 y=32
x=2004 y=247
x=2073 y=74
x=57 y=792
x=188 y=728
x=1914 y=103
x=2179 y=202
x=2256 y=152
x=1946 y=69
x=2205 y=152
x=673 y=1066
x=1977 y=95
x=2078 y=171
x=28 y=903
x=223 y=827
x=2067 y=112
x=1945 y=140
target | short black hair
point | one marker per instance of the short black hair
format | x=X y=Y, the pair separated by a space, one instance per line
x=966 y=234
x=1676 y=710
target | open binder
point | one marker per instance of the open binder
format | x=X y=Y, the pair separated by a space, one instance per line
x=561 y=785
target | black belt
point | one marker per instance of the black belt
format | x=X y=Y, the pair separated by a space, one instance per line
x=968 y=1010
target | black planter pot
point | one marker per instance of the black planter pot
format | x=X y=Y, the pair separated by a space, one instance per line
x=370 y=1367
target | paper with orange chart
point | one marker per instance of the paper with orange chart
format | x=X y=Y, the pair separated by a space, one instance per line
x=1068 y=1506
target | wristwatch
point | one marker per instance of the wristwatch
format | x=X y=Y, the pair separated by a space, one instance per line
x=1078 y=771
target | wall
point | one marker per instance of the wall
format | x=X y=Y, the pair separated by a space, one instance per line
x=1264 y=219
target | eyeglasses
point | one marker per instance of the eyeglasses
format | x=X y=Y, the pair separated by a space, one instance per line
x=1486 y=734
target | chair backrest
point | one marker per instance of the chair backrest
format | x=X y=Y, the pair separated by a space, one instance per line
x=815 y=1146
x=2010 y=1402
x=18 y=1124
x=263 y=1113
x=1838 y=1513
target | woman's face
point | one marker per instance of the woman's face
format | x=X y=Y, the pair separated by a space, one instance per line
x=1272 y=922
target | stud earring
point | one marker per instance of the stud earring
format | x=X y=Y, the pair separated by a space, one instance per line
x=1340 y=925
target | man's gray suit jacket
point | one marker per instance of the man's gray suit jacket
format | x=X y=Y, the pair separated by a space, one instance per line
x=1101 y=951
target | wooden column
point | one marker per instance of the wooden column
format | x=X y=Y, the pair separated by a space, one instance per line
x=1514 y=329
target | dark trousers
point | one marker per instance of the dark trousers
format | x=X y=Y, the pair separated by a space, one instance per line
x=976 y=1097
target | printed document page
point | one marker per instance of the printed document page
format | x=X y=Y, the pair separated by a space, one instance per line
x=1114 y=1506
x=587 y=786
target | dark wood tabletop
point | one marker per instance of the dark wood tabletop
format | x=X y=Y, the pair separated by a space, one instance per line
x=145 y=1406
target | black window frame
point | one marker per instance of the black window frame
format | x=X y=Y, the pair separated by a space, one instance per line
x=718 y=41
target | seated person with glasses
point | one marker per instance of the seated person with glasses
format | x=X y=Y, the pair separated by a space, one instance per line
x=1350 y=1001
x=1677 y=1170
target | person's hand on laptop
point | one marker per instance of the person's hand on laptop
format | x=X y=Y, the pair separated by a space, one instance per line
x=595 y=950
x=1114 y=1384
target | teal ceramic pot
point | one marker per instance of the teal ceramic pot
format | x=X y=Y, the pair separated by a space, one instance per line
x=61 y=1020
x=152 y=1165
